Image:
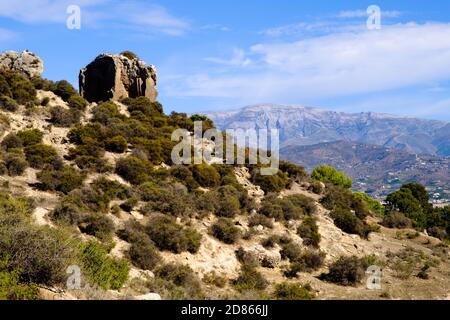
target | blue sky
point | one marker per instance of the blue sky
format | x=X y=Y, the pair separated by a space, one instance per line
x=217 y=54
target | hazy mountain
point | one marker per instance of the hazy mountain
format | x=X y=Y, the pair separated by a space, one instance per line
x=300 y=126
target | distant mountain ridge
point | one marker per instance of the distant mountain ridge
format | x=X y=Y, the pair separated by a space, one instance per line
x=302 y=126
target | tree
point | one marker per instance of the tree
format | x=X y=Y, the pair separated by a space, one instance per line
x=331 y=175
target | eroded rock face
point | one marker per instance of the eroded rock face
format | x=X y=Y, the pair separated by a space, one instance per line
x=116 y=77
x=24 y=62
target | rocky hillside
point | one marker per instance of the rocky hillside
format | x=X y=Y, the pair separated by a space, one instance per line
x=88 y=188
x=301 y=126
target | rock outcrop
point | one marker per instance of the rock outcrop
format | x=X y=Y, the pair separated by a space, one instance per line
x=117 y=76
x=24 y=62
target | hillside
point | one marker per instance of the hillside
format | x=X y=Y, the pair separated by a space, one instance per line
x=91 y=187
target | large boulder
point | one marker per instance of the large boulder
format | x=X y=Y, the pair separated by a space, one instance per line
x=24 y=62
x=117 y=76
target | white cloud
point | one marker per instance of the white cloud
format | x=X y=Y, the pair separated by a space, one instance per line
x=144 y=17
x=363 y=13
x=339 y=64
x=238 y=59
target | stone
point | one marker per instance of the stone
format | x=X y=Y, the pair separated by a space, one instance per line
x=116 y=77
x=24 y=62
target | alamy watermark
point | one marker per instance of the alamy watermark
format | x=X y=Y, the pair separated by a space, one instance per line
x=374 y=17
x=208 y=146
x=73 y=21
x=375 y=274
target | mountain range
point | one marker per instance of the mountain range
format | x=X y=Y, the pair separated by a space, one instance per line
x=379 y=151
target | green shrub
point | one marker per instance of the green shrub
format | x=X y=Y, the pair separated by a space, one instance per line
x=180 y=276
x=170 y=236
x=206 y=176
x=40 y=154
x=65 y=90
x=295 y=172
x=143 y=254
x=346 y=271
x=331 y=175
x=97 y=225
x=348 y=222
x=16 y=86
x=129 y=204
x=290 y=251
x=308 y=261
x=307 y=204
x=316 y=187
x=374 y=205
x=270 y=183
x=143 y=105
x=63 y=117
x=12 y=289
x=259 y=219
x=8 y=104
x=68 y=213
x=45 y=101
x=63 y=180
x=309 y=232
x=117 y=144
x=77 y=102
x=16 y=164
x=214 y=279
x=225 y=230
x=281 y=209
x=11 y=141
x=30 y=137
x=100 y=269
x=134 y=170
x=250 y=279
x=292 y=291
x=172 y=199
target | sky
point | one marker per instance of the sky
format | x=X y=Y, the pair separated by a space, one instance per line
x=214 y=55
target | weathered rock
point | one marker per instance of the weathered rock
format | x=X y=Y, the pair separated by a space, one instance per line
x=115 y=77
x=25 y=62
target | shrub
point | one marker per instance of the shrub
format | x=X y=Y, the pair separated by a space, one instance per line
x=309 y=232
x=292 y=291
x=63 y=117
x=206 y=176
x=143 y=105
x=8 y=104
x=307 y=204
x=411 y=206
x=331 y=175
x=65 y=90
x=129 y=55
x=170 y=236
x=30 y=137
x=45 y=101
x=64 y=180
x=346 y=271
x=270 y=183
x=250 y=279
x=11 y=141
x=77 y=102
x=100 y=269
x=16 y=164
x=40 y=154
x=133 y=169
x=16 y=86
x=143 y=254
x=374 y=205
x=129 y=204
x=259 y=219
x=247 y=258
x=348 y=222
x=97 y=225
x=172 y=199
x=67 y=213
x=290 y=251
x=295 y=172
x=316 y=187
x=11 y=288
x=214 y=279
x=280 y=209
x=117 y=144
x=308 y=261
x=397 y=220
x=225 y=230
x=181 y=276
